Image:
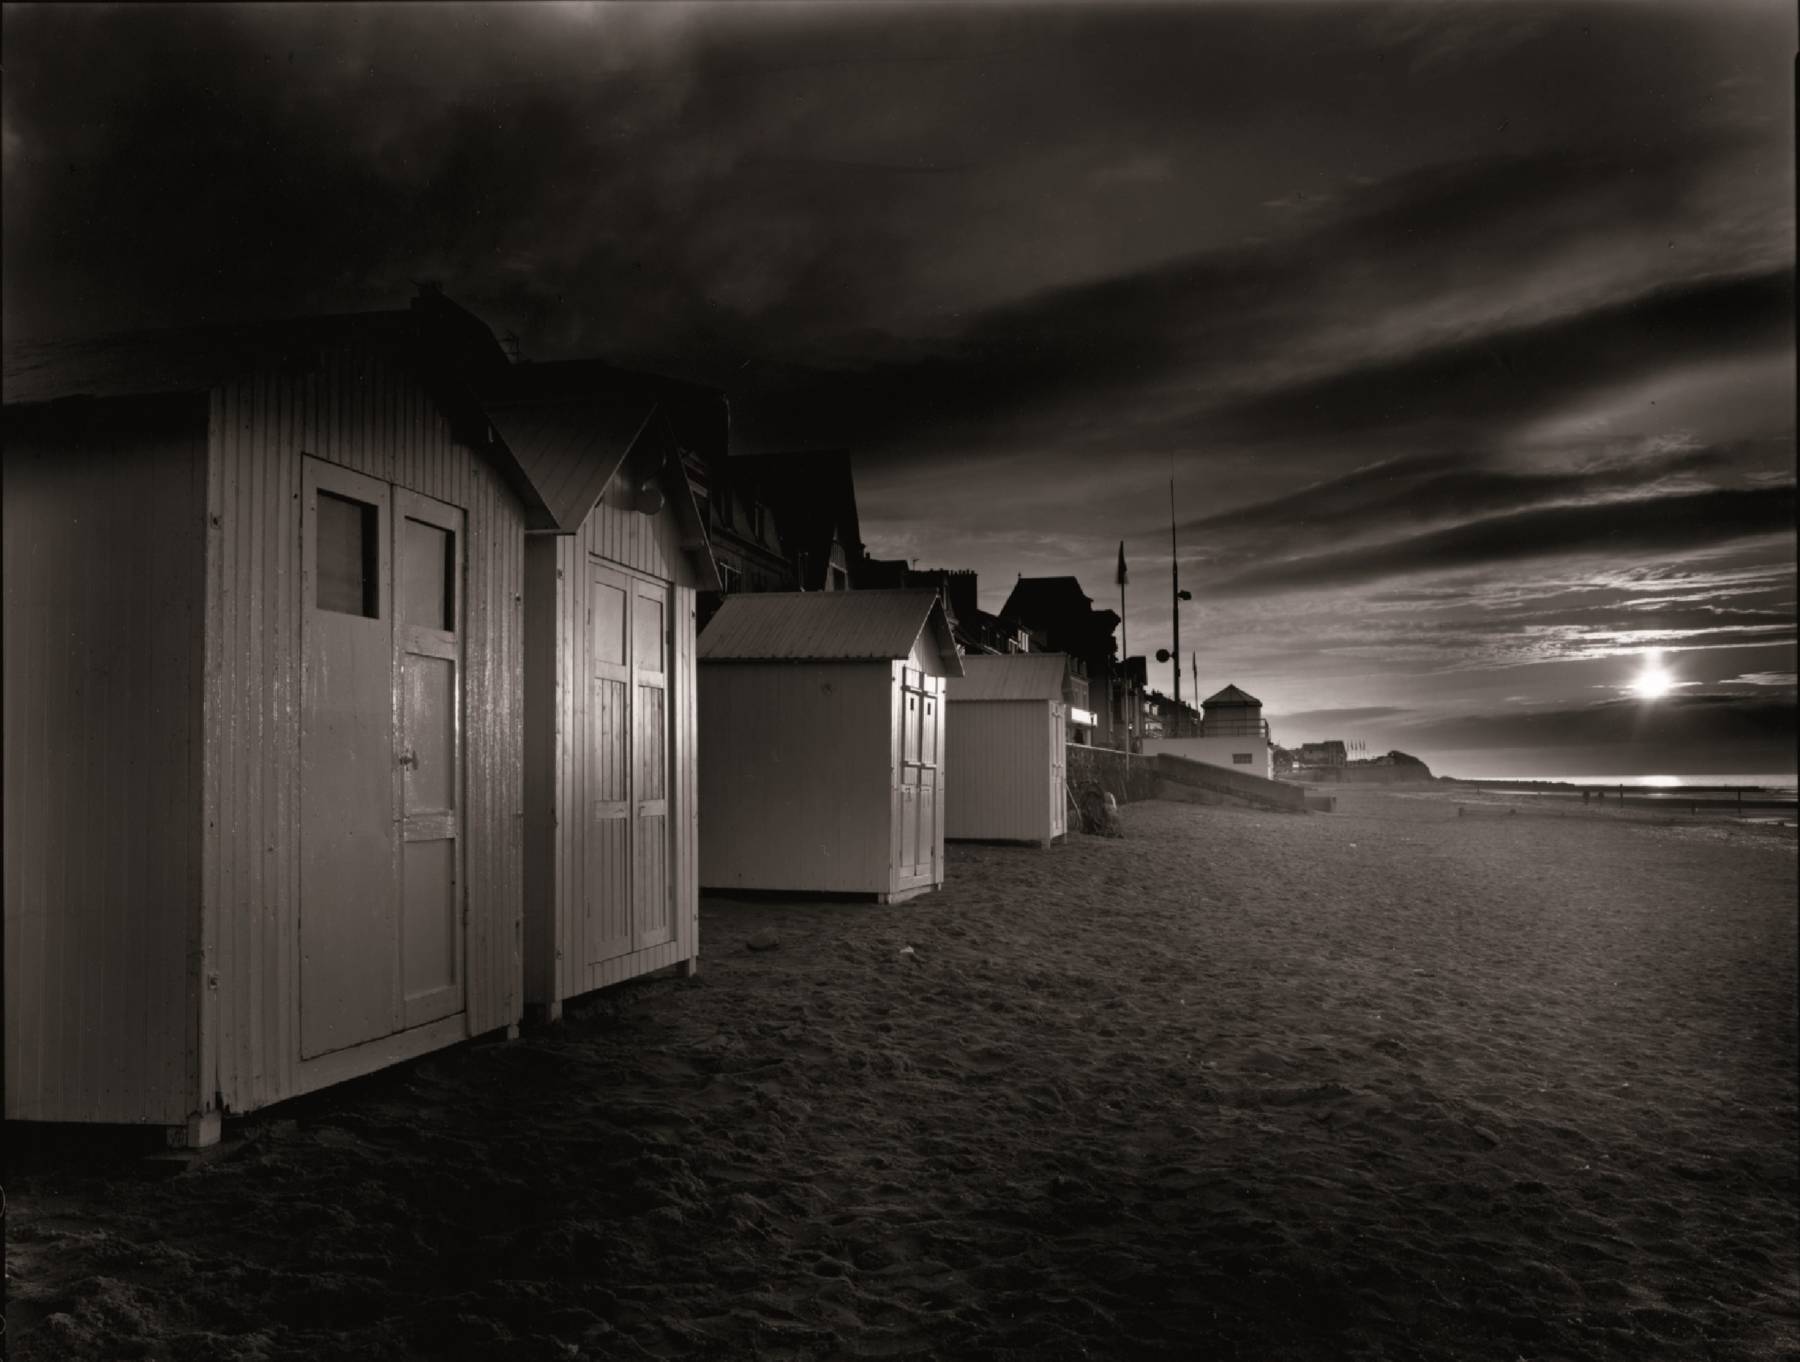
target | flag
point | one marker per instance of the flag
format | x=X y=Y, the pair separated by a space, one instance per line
x=1122 y=579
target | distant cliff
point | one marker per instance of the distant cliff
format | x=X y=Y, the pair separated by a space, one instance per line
x=1383 y=770
x=1394 y=766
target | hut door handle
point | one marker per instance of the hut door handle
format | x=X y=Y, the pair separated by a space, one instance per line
x=409 y=758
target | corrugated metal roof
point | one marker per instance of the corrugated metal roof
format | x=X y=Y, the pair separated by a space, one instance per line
x=1231 y=695
x=826 y=626
x=1013 y=676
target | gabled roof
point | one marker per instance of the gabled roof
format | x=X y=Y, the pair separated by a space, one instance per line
x=183 y=360
x=439 y=341
x=572 y=424
x=1231 y=695
x=569 y=448
x=1010 y=676
x=561 y=430
x=680 y=494
x=826 y=626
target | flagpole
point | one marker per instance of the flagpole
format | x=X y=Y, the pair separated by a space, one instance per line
x=1125 y=645
x=1124 y=629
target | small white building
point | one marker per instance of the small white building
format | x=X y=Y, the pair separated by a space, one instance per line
x=610 y=780
x=263 y=713
x=1233 y=734
x=822 y=715
x=1005 y=742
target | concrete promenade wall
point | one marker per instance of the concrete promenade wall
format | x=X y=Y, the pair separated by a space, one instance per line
x=1127 y=776
x=1269 y=793
x=1130 y=776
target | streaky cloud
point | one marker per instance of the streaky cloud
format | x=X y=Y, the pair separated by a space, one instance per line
x=1501 y=380
x=1621 y=527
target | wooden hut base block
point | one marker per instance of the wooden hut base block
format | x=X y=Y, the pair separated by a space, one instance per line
x=202 y=1131
x=1041 y=843
x=746 y=895
x=902 y=895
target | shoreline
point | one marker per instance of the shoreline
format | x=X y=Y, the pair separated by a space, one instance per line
x=1638 y=804
x=1571 y=786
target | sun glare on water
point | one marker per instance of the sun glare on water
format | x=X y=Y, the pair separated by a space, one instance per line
x=1654 y=681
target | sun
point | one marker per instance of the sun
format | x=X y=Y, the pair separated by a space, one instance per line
x=1654 y=681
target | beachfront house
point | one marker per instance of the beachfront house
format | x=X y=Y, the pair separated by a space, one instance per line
x=823 y=716
x=611 y=870
x=263 y=712
x=783 y=521
x=1059 y=611
x=1321 y=756
x=976 y=630
x=1005 y=738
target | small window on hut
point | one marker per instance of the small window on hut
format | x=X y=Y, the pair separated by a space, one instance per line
x=347 y=570
x=1241 y=759
x=428 y=580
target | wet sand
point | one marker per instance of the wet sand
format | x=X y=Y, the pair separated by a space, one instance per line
x=1385 y=1083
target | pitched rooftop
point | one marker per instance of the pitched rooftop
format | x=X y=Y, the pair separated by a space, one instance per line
x=1012 y=676
x=826 y=626
x=1231 y=695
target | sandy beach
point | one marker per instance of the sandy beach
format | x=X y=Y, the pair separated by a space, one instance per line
x=1392 y=1082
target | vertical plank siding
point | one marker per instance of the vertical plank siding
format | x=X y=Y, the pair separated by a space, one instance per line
x=103 y=511
x=998 y=763
x=359 y=408
x=797 y=776
x=574 y=951
x=543 y=770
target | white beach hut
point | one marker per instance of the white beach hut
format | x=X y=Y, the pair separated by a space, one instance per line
x=611 y=871
x=1007 y=729
x=263 y=684
x=823 y=723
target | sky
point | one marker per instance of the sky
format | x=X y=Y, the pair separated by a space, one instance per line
x=1464 y=330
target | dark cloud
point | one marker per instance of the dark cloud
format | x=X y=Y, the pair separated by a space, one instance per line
x=1019 y=259
x=1498 y=381
x=852 y=219
x=1623 y=530
x=1424 y=488
x=1138 y=353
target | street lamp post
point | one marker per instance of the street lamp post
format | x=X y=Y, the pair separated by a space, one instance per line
x=1172 y=654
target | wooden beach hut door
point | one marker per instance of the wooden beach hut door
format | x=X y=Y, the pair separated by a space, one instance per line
x=1058 y=756
x=921 y=740
x=630 y=899
x=428 y=667
x=381 y=926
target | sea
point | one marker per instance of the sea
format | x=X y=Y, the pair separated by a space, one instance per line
x=1777 y=786
x=1774 y=784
